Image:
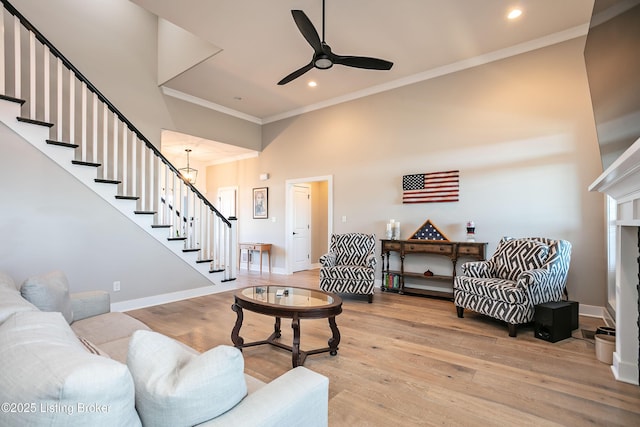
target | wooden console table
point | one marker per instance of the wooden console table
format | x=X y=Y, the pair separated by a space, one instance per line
x=452 y=250
x=261 y=247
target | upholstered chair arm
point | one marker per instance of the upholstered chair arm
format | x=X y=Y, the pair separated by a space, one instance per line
x=542 y=285
x=328 y=259
x=371 y=261
x=89 y=304
x=298 y=397
x=480 y=269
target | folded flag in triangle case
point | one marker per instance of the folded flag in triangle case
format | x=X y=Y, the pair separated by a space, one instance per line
x=431 y=187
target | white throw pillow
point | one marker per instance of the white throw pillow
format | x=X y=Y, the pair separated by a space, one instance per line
x=47 y=371
x=49 y=292
x=177 y=387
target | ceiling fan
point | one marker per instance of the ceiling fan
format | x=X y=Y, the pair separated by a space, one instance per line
x=323 y=57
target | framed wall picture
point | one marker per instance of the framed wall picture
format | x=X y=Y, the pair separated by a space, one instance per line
x=261 y=202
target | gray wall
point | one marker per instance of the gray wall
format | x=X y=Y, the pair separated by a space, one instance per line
x=520 y=131
x=49 y=220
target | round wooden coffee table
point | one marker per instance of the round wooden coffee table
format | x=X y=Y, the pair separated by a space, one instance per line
x=291 y=303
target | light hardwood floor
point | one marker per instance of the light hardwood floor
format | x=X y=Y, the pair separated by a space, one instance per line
x=407 y=360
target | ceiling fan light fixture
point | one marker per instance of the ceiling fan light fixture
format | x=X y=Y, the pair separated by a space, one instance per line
x=323 y=62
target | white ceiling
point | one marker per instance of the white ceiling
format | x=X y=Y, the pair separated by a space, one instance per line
x=204 y=151
x=261 y=44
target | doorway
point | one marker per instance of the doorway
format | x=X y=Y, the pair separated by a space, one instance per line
x=309 y=207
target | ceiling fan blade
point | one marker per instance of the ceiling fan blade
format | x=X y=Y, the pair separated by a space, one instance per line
x=296 y=74
x=307 y=29
x=362 y=62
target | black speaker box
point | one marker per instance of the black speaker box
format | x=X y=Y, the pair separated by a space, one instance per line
x=575 y=312
x=553 y=321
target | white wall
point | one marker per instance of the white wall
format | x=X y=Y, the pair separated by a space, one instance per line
x=519 y=130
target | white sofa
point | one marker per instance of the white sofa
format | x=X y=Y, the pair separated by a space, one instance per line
x=68 y=361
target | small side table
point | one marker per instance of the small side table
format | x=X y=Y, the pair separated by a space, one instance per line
x=260 y=247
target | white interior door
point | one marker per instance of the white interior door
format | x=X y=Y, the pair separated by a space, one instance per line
x=227 y=201
x=301 y=242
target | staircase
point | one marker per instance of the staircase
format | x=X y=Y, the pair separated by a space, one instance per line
x=50 y=104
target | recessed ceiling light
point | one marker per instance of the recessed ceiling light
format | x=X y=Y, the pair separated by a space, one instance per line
x=312 y=84
x=515 y=13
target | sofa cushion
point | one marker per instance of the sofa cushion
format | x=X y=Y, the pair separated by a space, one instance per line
x=348 y=272
x=107 y=327
x=43 y=363
x=177 y=387
x=490 y=289
x=49 y=292
x=110 y=332
x=519 y=255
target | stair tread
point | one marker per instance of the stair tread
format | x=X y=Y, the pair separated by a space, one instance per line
x=34 y=121
x=62 y=143
x=191 y=250
x=127 y=197
x=160 y=226
x=107 y=181
x=12 y=99
x=176 y=238
x=201 y=261
x=82 y=163
x=144 y=212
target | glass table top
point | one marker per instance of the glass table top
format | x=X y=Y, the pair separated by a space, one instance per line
x=287 y=296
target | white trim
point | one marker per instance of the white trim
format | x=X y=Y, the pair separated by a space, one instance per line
x=608 y=320
x=153 y=300
x=592 y=311
x=288 y=185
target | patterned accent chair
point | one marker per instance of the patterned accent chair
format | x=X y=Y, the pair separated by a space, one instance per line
x=349 y=267
x=519 y=275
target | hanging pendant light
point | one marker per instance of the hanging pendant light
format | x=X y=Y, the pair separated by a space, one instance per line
x=189 y=173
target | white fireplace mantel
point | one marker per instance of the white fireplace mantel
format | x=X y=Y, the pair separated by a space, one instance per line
x=621 y=181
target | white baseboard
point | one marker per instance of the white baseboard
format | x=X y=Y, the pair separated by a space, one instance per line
x=265 y=270
x=137 y=303
x=592 y=311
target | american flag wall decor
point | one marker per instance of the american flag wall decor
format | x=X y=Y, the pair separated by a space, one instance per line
x=431 y=187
